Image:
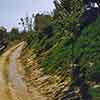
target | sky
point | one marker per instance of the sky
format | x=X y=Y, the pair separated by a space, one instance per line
x=12 y=10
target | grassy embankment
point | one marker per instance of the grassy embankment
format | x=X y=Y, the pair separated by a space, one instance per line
x=57 y=59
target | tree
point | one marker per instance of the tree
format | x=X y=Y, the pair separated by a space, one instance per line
x=27 y=23
x=14 y=34
x=67 y=14
x=41 y=22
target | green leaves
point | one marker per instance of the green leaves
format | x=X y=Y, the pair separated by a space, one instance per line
x=67 y=14
x=14 y=34
x=88 y=44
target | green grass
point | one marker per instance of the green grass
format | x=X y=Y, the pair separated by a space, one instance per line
x=95 y=92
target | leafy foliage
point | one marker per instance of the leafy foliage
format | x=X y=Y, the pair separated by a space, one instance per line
x=56 y=47
x=67 y=14
x=14 y=34
x=88 y=45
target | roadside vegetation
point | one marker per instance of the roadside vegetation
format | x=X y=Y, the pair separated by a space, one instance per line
x=56 y=45
x=66 y=44
x=62 y=45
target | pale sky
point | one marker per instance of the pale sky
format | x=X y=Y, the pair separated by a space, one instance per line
x=12 y=10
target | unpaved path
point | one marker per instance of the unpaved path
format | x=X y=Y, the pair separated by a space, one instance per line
x=12 y=87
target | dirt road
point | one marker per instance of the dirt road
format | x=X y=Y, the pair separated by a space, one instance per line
x=12 y=87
